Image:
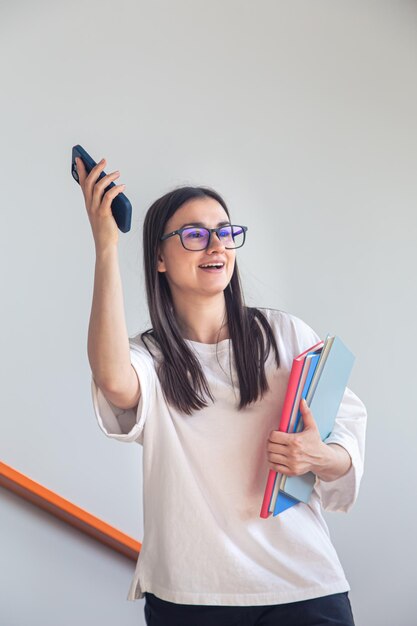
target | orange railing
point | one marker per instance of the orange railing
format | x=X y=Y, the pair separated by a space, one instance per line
x=68 y=512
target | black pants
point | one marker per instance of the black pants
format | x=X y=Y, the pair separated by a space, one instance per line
x=334 y=609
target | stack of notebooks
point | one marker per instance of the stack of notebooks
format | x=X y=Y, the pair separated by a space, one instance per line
x=319 y=375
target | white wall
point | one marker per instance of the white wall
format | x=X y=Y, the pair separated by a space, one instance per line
x=303 y=116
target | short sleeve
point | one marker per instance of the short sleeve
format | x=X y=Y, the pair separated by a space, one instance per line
x=127 y=425
x=348 y=431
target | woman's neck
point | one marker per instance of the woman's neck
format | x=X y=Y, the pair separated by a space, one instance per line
x=203 y=321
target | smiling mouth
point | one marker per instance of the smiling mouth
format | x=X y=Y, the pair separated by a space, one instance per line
x=216 y=268
x=212 y=267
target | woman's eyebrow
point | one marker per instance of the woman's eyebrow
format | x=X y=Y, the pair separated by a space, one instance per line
x=203 y=225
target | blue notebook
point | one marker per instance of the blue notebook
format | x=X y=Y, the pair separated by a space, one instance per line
x=324 y=406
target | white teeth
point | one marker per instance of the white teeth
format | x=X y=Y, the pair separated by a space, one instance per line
x=212 y=265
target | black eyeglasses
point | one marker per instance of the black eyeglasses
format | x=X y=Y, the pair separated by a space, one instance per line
x=198 y=238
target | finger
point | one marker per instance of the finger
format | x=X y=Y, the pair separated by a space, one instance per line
x=92 y=177
x=81 y=171
x=282 y=469
x=100 y=186
x=307 y=416
x=304 y=408
x=110 y=195
x=280 y=459
x=104 y=182
x=277 y=448
x=82 y=174
x=276 y=436
x=85 y=179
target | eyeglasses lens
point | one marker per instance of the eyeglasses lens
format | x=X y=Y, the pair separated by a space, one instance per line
x=197 y=238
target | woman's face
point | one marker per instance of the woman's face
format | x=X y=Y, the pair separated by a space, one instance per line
x=183 y=267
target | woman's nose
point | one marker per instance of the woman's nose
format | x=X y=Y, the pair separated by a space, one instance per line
x=215 y=243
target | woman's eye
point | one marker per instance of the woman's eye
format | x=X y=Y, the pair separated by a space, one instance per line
x=194 y=234
x=224 y=233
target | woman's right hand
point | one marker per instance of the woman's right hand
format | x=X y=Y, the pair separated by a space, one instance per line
x=103 y=224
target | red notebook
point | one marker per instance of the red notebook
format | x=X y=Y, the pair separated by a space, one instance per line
x=296 y=369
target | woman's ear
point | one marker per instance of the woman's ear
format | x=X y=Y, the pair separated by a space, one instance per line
x=161 y=262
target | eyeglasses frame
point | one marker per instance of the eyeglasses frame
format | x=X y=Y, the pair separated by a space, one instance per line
x=210 y=230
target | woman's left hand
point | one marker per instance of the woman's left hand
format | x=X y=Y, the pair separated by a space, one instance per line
x=294 y=454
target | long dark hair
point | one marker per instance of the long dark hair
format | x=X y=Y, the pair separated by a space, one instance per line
x=179 y=371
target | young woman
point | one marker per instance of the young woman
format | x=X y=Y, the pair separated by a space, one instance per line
x=202 y=392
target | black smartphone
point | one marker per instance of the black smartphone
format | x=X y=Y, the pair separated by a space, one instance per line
x=120 y=206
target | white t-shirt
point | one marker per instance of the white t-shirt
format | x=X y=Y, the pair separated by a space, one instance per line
x=204 y=477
